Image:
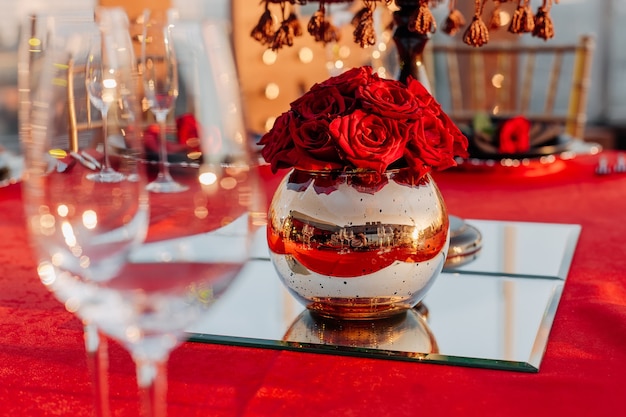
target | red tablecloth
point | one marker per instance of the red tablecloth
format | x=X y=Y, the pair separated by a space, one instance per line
x=43 y=371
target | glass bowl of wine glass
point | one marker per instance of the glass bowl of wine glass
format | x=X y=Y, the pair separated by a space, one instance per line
x=180 y=250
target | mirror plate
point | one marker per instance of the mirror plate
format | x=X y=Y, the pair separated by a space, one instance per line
x=495 y=312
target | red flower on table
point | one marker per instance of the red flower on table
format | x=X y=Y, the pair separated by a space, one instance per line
x=514 y=136
x=187 y=136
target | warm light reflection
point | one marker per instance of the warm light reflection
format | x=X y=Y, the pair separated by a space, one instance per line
x=63 y=210
x=133 y=334
x=90 y=219
x=56 y=259
x=46 y=273
x=84 y=262
x=505 y=18
x=259 y=218
x=269 y=57
x=194 y=155
x=269 y=123
x=109 y=83
x=344 y=51
x=415 y=236
x=228 y=183
x=46 y=221
x=201 y=212
x=207 y=178
x=72 y=304
x=272 y=91
x=495 y=110
x=497 y=80
x=305 y=55
x=68 y=234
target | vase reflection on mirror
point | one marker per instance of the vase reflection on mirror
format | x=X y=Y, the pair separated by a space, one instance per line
x=407 y=334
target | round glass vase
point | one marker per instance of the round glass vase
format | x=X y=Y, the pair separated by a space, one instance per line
x=358 y=245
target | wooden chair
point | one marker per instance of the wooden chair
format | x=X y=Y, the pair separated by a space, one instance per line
x=544 y=83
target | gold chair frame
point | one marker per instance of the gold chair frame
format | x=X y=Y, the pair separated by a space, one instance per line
x=501 y=80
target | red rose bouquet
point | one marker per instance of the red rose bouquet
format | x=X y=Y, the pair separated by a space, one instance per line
x=358 y=121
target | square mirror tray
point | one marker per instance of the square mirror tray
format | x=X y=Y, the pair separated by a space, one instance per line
x=494 y=312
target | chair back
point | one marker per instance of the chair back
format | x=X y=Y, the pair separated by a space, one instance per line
x=544 y=83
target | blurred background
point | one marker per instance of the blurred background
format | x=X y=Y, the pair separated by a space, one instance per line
x=271 y=80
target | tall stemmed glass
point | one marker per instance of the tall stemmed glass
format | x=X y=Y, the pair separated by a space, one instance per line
x=160 y=79
x=197 y=240
x=102 y=84
x=39 y=32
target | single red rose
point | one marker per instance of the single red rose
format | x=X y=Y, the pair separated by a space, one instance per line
x=314 y=148
x=278 y=146
x=514 y=136
x=368 y=141
x=349 y=81
x=388 y=98
x=429 y=144
x=327 y=102
x=424 y=97
x=460 y=142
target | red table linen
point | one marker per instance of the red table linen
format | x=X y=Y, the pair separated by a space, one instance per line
x=43 y=371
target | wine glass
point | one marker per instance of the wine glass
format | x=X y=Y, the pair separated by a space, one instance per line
x=160 y=79
x=197 y=239
x=37 y=32
x=103 y=88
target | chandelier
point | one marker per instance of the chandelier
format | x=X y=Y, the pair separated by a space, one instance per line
x=414 y=15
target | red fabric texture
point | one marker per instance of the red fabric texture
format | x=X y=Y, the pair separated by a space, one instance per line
x=43 y=371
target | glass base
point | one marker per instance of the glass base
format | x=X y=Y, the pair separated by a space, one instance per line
x=165 y=185
x=107 y=176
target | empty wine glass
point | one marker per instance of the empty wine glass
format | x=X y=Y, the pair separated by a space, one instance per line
x=197 y=239
x=160 y=78
x=103 y=88
x=37 y=32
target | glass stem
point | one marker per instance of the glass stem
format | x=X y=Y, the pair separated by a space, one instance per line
x=152 y=383
x=106 y=165
x=98 y=363
x=164 y=171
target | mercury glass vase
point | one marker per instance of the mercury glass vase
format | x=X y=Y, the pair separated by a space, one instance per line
x=358 y=245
